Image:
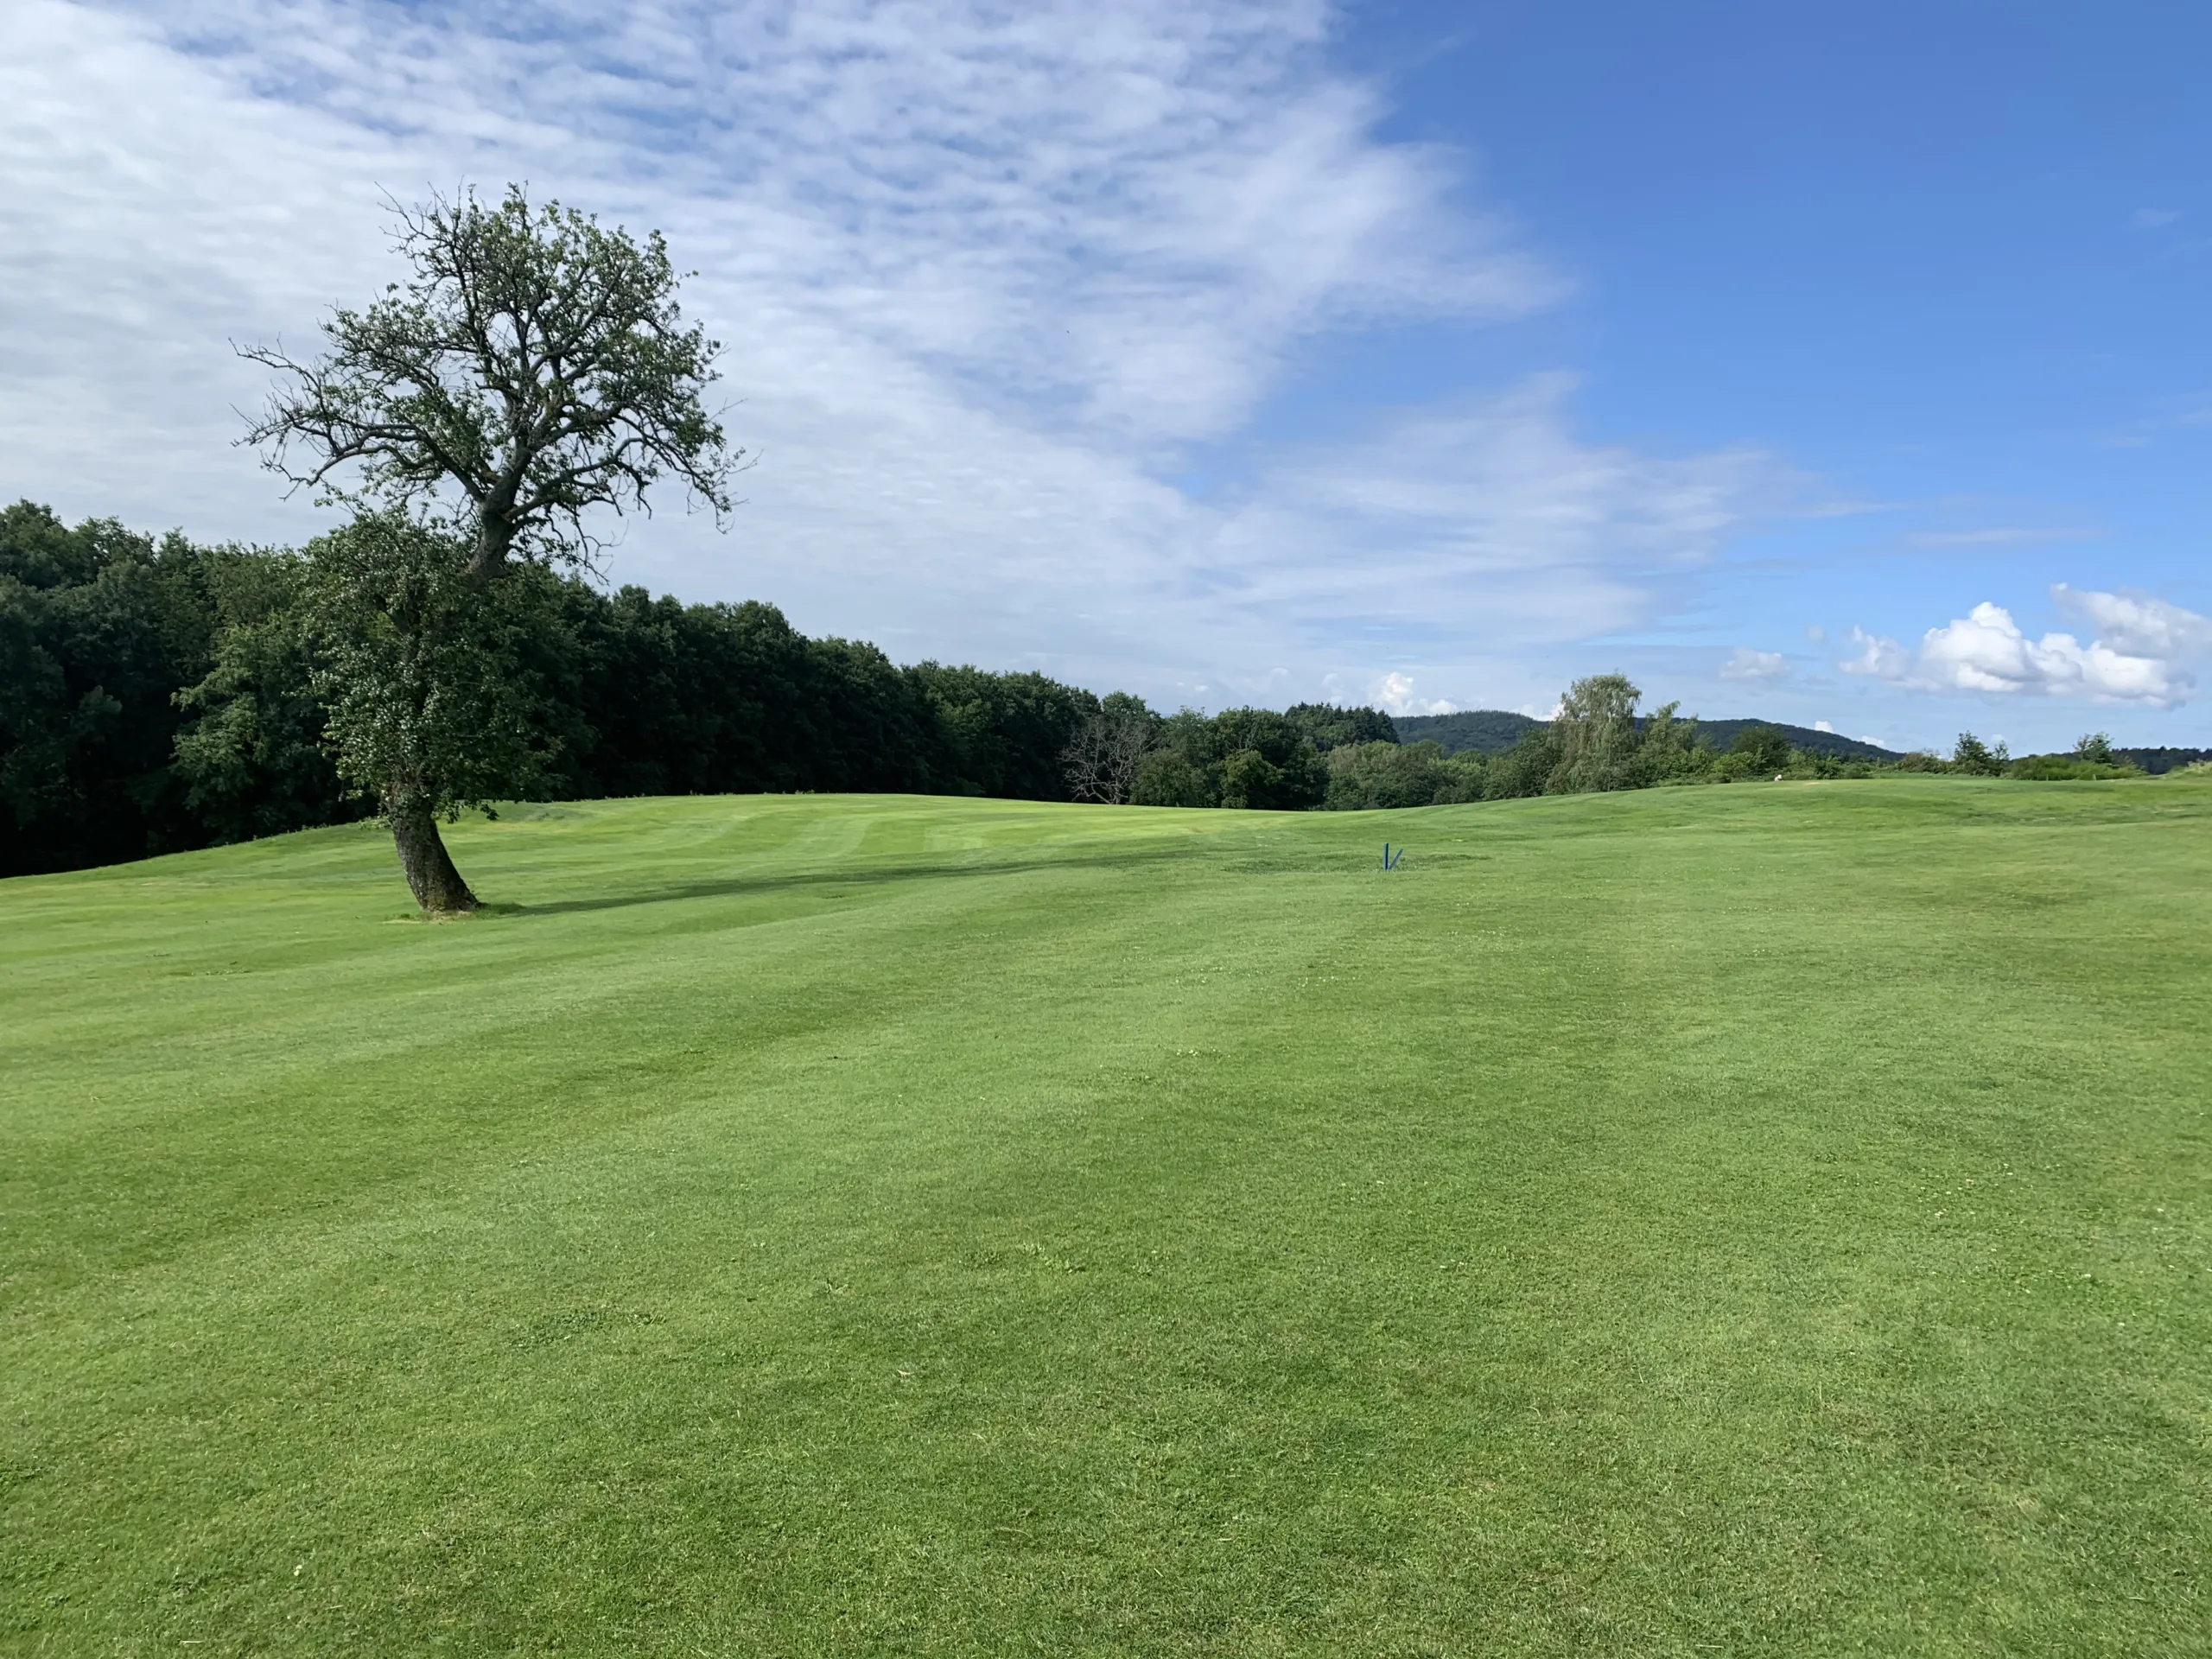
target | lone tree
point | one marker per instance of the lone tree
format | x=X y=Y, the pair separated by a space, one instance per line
x=1597 y=732
x=534 y=367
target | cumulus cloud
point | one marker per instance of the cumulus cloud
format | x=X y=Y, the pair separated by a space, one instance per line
x=985 y=275
x=1395 y=693
x=2143 y=653
x=1748 y=664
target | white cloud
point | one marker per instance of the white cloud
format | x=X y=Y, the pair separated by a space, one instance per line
x=1491 y=520
x=1749 y=664
x=2138 y=624
x=1823 y=726
x=1880 y=657
x=984 y=275
x=2143 y=655
x=1395 y=693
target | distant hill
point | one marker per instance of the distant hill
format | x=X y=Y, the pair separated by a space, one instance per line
x=1723 y=733
x=1486 y=731
x=1489 y=730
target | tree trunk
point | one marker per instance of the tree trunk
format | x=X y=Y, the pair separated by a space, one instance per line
x=430 y=874
x=494 y=537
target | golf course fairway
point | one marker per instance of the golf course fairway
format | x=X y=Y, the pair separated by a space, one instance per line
x=1763 y=1219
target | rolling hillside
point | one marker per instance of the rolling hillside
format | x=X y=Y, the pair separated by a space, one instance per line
x=1761 y=1219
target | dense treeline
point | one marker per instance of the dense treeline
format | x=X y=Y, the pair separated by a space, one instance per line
x=1599 y=742
x=1350 y=760
x=158 y=694
x=99 y=631
x=2156 y=762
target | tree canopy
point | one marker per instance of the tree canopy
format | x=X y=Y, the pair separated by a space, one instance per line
x=535 y=366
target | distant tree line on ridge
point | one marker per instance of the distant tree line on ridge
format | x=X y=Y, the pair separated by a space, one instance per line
x=158 y=694
x=1355 y=759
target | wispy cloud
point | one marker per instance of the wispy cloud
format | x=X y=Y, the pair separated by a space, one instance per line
x=2004 y=535
x=985 y=275
x=1494 y=514
x=2143 y=653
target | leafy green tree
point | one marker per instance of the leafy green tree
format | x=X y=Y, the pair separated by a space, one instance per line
x=533 y=367
x=1525 y=768
x=251 y=755
x=1670 y=749
x=1167 y=776
x=1288 y=774
x=1462 y=776
x=2096 y=748
x=1250 y=780
x=427 y=678
x=1764 y=748
x=1252 y=757
x=1364 y=776
x=1598 y=736
x=1971 y=755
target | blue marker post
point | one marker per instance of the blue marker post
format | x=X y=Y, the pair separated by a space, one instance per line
x=1389 y=862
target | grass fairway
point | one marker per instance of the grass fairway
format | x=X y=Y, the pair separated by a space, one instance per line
x=1769 y=1219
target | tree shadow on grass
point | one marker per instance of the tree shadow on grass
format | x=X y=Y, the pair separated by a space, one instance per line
x=814 y=880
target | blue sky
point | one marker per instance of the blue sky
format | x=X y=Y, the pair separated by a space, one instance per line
x=1842 y=364
x=1950 y=260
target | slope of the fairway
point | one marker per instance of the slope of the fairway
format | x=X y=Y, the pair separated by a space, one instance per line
x=1769 y=1219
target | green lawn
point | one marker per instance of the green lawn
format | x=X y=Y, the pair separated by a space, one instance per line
x=1766 y=1219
